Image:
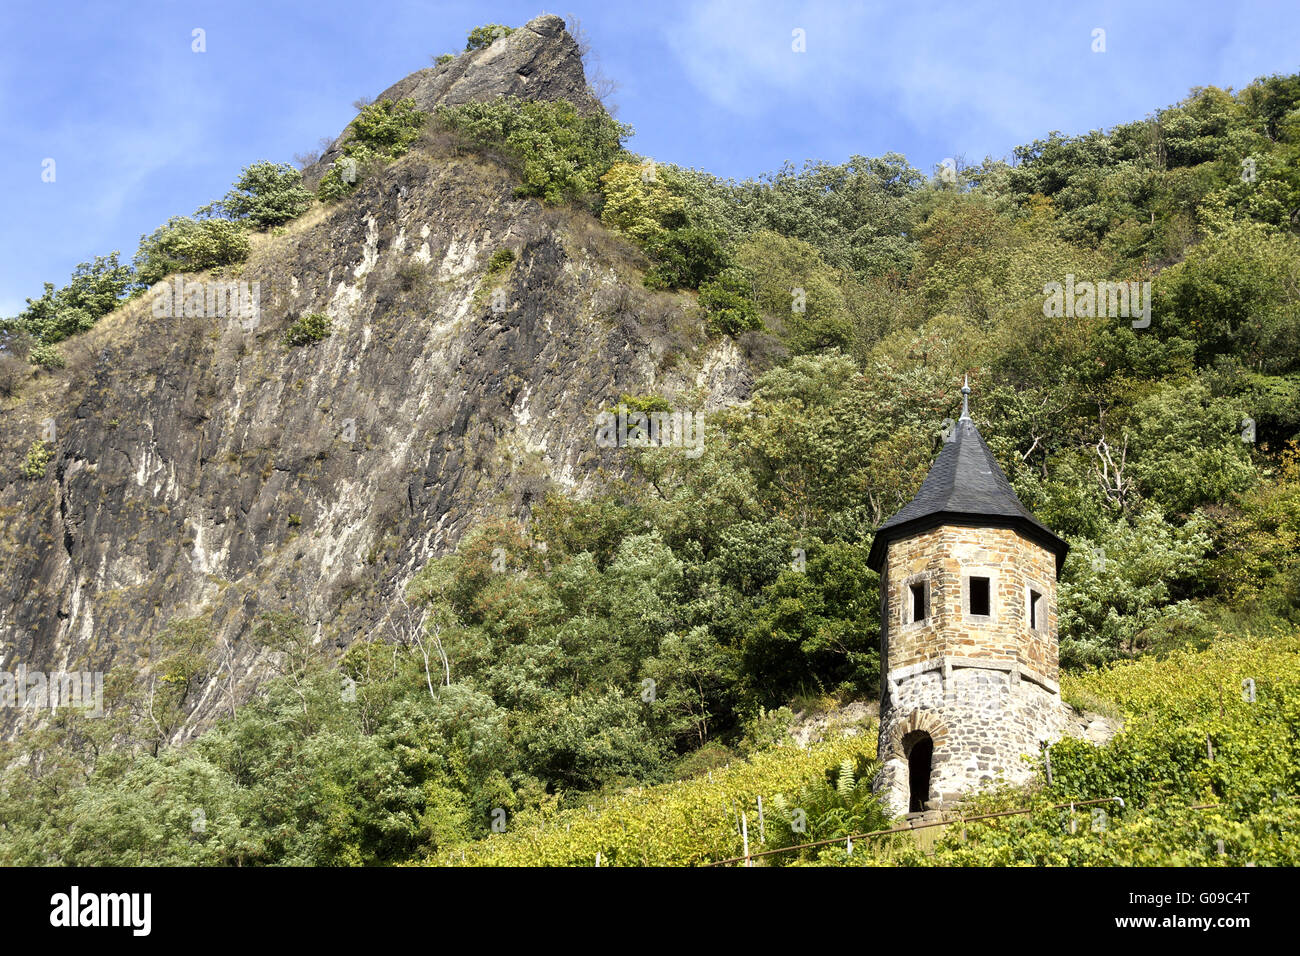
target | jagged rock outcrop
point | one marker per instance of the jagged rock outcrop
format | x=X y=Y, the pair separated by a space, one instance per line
x=202 y=467
x=1095 y=728
x=538 y=61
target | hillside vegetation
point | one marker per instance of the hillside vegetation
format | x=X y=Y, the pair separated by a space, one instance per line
x=648 y=632
x=1158 y=765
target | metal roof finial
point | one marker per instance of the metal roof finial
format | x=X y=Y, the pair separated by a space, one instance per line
x=965 y=399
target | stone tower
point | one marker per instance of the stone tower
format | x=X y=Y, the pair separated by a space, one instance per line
x=968 y=651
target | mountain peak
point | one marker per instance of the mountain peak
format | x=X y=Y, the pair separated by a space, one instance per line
x=539 y=61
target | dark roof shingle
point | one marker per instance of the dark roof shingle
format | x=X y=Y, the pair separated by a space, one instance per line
x=965 y=486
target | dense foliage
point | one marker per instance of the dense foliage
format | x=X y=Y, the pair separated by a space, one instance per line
x=558 y=153
x=1207 y=767
x=184 y=244
x=92 y=293
x=1180 y=798
x=644 y=633
x=267 y=194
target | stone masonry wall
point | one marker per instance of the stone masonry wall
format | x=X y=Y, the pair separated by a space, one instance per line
x=983 y=687
x=945 y=557
x=981 y=721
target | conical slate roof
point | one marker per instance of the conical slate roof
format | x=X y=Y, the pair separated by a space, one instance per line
x=965 y=486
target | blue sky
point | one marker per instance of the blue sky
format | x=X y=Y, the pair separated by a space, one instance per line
x=141 y=128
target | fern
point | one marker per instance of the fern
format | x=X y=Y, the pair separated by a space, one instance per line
x=846 y=783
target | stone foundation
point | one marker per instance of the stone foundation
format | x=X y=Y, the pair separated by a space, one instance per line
x=981 y=720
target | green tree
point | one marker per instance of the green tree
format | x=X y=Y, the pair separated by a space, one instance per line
x=792 y=282
x=484 y=36
x=1187 y=448
x=689 y=675
x=639 y=201
x=94 y=290
x=268 y=194
x=1131 y=588
x=685 y=257
x=815 y=628
x=1236 y=292
x=728 y=302
x=184 y=244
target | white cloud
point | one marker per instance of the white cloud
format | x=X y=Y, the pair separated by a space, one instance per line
x=981 y=79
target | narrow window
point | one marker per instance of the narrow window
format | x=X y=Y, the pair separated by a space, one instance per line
x=979 y=596
x=1035 y=608
x=918 y=601
x=918 y=774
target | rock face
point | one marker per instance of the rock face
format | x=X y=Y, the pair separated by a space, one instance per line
x=204 y=468
x=538 y=61
x=1097 y=729
x=850 y=720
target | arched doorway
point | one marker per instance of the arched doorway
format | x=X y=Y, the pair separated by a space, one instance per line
x=920 y=753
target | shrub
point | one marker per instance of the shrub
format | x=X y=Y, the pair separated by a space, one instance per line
x=343 y=175
x=443 y=58
x=482 y=37
x=12 y=373
x=47 y=355
x=38 y=456
x=381 y=132
x=684 y=258
x=307 y=329
x=645 y=403
x=500 y=261
x=558 y=153
x=268 y=194
x=389 y=127
x=837 y=804
x=498 y=265
x=766 y=729
x=728 y=302
x=185 y=244
x=410 y=275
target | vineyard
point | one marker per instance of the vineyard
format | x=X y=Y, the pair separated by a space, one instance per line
x=1206 y=768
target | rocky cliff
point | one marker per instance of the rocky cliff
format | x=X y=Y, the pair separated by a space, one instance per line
x=202 y=467
x=539 y=61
